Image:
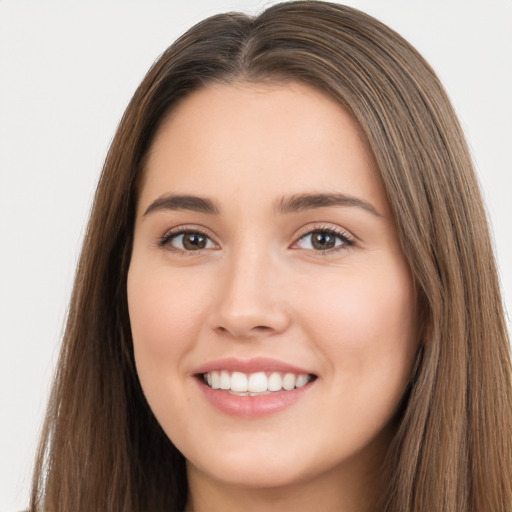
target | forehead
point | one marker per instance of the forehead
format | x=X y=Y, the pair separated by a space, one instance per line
x=260 y=140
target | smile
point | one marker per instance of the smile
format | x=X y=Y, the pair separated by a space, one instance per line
x=255 y=387
x=254 y=384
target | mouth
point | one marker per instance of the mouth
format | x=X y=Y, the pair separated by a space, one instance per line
x=253 y=388
x=254 y=384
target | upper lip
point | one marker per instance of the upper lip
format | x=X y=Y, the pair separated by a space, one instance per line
x=253 y=365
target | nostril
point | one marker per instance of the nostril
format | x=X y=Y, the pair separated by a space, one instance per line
x=241 y=333
x=244 y=314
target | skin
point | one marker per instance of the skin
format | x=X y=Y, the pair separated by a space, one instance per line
x=259 y=288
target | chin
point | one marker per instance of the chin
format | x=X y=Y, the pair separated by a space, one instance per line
x=257 y=474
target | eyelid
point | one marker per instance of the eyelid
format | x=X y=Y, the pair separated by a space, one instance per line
x=164 y=240
x=348 y=239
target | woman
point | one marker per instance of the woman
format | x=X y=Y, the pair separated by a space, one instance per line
x=287 y=296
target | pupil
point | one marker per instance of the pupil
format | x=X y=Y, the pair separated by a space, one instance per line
x=323 y=240
x=193 y=241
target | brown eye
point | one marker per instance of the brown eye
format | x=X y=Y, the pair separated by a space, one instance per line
x=323 y=240
x=190 y=241
x=194 y=241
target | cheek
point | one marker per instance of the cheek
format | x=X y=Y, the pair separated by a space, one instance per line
x=365 y=324
x=166 y=315
x=165 y=311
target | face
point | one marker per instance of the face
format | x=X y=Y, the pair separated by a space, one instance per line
x=271 y=307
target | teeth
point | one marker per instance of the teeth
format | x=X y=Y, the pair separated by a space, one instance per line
x=225 y=380
x=215 y=380
x=275 y=382
x=238 y=382
x=255 y=383
x=289 y=381
x=302 y=380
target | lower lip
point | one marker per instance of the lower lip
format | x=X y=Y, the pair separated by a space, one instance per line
x=252 y=406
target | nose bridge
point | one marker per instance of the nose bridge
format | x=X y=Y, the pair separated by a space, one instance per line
x=248 y=302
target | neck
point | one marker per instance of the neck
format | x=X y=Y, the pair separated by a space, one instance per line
x=308 y=496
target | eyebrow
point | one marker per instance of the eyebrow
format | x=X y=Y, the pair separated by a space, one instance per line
x=294 y=203
x=183 y=202
x=302 y=202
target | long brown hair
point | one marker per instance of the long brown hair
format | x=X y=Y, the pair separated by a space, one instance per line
x=101 y=447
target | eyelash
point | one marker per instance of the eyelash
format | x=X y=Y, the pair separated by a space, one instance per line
x=173 y=233
x=346 y=239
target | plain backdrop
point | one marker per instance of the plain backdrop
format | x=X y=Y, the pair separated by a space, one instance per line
x=67 y=71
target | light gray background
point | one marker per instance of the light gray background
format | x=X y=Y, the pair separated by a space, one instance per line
x=67 y=71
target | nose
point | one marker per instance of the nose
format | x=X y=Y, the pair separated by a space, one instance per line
x=251 y=302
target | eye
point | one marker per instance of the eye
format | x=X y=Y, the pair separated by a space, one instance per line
x=325 y=240
x=187 y=241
